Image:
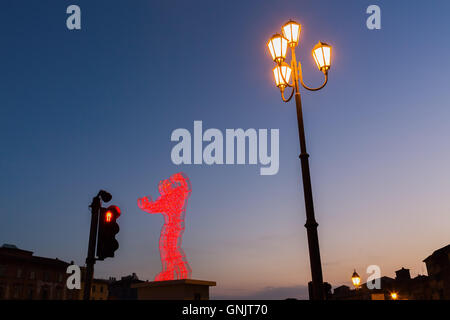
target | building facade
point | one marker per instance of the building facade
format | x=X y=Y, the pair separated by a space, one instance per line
x=99 y=290
x=438 y=268
x=24 y=276
x=123 y=289
x=99 y=287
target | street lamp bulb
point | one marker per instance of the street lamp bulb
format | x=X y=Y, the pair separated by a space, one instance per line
x=282 y=74
x=322 y=55
x=291 y=31
x=394 y=295
x=278 y=47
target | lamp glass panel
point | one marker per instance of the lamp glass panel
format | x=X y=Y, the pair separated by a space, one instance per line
x=292 y=32
x=271 y=49
x=319 y=57
x=315 y=59
x=281 y=72
x=278 y=47
x=286 y=72
x=327 y=56
x=276 y=75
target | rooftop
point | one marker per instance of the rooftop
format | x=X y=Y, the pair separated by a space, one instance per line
x=444 y=251
x=10 y=250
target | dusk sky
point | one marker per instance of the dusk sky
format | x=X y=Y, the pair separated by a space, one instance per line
x=94 y=109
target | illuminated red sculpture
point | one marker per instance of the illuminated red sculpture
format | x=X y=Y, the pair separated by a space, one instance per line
x=172 y=205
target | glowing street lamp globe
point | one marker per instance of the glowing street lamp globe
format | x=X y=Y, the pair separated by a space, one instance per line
x=356 y=279
x=278 y=47
x=322 y=55
x=282 y=74
x=291 y=31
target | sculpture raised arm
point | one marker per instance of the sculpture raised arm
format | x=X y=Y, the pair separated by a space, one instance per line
x=150 y=206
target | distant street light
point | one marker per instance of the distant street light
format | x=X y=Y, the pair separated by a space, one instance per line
x=278 y=45
x=356 y=279
x=394 y=295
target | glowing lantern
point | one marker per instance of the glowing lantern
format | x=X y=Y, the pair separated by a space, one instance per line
x=291 y=31
x=278 y=47
x=282 y=74
x=356 y=279
x=322 y=55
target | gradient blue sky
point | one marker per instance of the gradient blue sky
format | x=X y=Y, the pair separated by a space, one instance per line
x=90 y=109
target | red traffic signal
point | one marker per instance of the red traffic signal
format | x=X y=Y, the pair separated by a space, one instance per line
x=108 y=216
x=111 y=214
x=107 y=230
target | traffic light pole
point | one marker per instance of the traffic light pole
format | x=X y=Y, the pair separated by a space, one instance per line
x=90 y=260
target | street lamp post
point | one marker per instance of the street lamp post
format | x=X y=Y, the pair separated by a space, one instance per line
x=278 y=45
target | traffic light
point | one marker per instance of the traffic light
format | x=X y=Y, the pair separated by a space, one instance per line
x=107 y=230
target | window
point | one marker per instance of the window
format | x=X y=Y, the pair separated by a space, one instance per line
x=19 y=273
x=60 y=277
x=30 y=293
x=101 y=288
x=93 y=288
x=44 y=293
x=45 y=276
x=58 y=294
x=32 y=275
x=17 y=291
x=2 y=270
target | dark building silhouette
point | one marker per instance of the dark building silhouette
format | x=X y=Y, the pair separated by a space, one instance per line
x=122 y=289
x=435 y=286
x=25 y=276
x=363 y=293
x=403 y=274
x=341 y=292
x=438 y=268
x=326 y=288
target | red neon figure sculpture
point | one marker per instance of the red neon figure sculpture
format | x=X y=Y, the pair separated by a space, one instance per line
x=172 y=202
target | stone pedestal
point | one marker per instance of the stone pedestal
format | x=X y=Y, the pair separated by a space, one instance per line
x=185 y=289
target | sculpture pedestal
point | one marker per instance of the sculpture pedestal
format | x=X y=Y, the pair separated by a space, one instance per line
x=185 y=289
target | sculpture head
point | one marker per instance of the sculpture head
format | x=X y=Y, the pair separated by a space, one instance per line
x=165 y=186
x=176 y=181
x=181 y=180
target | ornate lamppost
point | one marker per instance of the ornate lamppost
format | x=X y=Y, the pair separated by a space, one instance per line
x=278 y=46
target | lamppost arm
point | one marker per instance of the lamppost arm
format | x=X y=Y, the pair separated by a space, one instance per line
x=290 y=96
x=300 y=72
